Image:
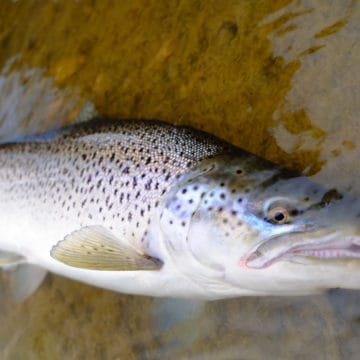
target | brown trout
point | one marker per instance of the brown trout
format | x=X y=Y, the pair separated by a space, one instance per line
x=144 y=207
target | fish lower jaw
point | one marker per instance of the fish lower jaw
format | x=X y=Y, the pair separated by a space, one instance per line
x=330 y=253
x=327 y=251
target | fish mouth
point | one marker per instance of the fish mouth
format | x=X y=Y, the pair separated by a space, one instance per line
x=304 y=247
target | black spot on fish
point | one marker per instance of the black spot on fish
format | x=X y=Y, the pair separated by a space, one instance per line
x=134 y=182
x=148 y=185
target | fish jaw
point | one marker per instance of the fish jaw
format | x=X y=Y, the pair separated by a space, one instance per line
x=305 y=248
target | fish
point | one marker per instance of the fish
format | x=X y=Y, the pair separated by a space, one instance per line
x=148 y=208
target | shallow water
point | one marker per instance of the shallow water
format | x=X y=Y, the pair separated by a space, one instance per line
x=279 y=78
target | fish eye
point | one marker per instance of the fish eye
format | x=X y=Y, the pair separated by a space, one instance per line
x=278 y=215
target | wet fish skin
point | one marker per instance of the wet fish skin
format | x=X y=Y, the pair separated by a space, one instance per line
x=111 y=173
x=105 y=172
x=176 y=196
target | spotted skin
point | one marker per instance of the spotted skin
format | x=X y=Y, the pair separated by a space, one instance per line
x=107 y=172
x=195 y=203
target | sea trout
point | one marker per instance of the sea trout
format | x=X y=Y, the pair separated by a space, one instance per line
x=144 y=207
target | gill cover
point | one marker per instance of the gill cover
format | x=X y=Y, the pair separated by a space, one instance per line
x=201 y=219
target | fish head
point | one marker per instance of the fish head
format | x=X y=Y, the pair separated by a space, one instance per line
x=262 y=227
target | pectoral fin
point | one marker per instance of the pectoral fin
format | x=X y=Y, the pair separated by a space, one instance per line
x=96 y=248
